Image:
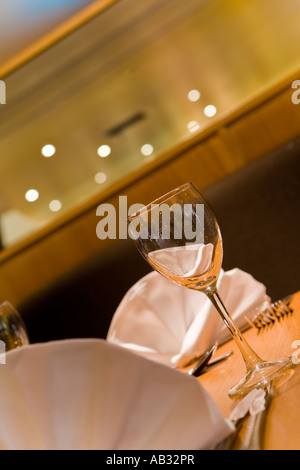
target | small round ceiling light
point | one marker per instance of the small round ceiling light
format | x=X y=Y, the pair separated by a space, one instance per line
x=193 y=126
x=100 y=177
x=55 y=205
x=210 y=110
x=147 y=150
x=104 y=150
x=48 y=150
x=194 y=95
x=31 y=195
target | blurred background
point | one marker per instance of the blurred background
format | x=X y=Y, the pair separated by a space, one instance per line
x=127 y=97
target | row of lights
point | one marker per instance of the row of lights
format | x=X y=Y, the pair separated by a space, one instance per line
x=105 y=150
x=147 y=149
x=209 y=111
x=32 y=194
x=48 y=151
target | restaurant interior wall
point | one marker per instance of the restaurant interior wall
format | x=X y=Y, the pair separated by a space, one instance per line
x=260 y=124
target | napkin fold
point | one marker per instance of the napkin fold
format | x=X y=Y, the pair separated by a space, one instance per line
x=90 y=394
x=171 y=324
x=185 y=261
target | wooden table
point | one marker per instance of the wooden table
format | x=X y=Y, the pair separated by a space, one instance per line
x=282 y=430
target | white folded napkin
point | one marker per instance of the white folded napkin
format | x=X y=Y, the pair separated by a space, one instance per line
x=89 y=394
x=185 y=261
x=172 y=324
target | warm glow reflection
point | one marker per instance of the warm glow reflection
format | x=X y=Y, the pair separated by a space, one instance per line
x=104 y=150
x=55 y=205
x=100 y=177
x=48 y=150
x=194 y=95
x=32 y=195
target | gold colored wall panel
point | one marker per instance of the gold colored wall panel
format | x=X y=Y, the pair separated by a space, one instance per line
x=238 y=140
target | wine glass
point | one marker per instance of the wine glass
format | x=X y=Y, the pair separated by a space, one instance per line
x=13 y=333
x=179 y=236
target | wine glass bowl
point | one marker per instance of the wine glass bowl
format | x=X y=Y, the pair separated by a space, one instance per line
x=179 y=236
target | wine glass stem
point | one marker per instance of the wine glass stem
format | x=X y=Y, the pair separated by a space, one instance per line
x=250 y=357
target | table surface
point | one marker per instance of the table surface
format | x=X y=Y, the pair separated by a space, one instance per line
x=282 y=430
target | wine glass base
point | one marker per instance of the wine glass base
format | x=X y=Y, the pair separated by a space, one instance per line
x=260 y=375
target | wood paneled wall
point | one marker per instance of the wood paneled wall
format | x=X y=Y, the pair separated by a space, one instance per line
x=268 y=121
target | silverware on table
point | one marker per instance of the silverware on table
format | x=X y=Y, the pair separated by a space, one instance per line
x=214 y=362
x=204 y=362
